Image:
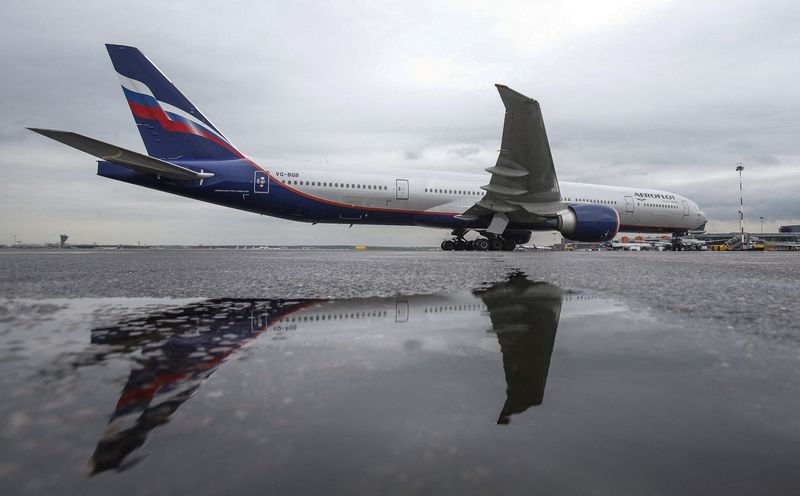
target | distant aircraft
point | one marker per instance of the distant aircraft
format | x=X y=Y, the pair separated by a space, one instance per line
x=634 y=246
x=189 y=156
x=535 y=247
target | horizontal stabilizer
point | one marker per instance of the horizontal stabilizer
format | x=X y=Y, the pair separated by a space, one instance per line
x=113 y=153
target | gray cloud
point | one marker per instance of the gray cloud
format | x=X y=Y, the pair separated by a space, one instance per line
x=667 y=96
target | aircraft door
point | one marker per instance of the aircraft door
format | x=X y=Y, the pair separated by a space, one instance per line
x=685 y=207
x=402 y=189
x=401 y=311
x=629 y=204
x=260 y=182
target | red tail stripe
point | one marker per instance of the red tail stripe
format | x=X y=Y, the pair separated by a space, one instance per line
x=176 y=127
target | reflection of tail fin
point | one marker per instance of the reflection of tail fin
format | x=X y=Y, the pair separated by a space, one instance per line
x=170 y=125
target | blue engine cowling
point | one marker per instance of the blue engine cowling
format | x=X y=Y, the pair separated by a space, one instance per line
x=589 y=223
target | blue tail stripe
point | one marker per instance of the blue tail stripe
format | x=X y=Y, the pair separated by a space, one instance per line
x=139 y=99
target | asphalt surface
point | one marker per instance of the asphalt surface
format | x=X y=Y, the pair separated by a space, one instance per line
x=340 y=372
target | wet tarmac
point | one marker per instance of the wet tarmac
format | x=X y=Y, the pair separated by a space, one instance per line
x=233 y=372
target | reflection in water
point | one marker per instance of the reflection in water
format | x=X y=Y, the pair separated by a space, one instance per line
x=179 y=348
x=525 y=318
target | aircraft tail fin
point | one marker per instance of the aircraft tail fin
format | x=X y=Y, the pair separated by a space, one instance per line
x=171 y=126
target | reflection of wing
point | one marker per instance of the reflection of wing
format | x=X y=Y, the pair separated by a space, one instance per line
x=523 y=184
x=525 y=317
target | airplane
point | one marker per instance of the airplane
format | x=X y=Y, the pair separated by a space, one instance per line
x=534 y=247
x=635 y=246
x=188 y=156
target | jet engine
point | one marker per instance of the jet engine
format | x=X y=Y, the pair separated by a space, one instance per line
x=589 y=223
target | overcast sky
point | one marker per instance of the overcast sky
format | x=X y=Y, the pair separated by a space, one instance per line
x=659 y=94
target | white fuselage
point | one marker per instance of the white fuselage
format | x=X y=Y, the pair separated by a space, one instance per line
x=639 y=209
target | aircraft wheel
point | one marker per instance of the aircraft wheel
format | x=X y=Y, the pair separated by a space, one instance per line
x=470 y=245
x=481 y=244
x=495 y=244
x=461 y=245
x=448 y=245
x=509 y=245
x=668 y=248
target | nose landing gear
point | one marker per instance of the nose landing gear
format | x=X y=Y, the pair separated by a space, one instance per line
x=676 y=244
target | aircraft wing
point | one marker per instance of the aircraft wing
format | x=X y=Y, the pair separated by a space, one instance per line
x=523 y=181
x=130 y=159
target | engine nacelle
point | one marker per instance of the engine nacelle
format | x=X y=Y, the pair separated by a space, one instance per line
x=589 y=223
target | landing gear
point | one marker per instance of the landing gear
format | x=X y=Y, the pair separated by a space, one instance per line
x=676 y=244
x=481 y=244
x=458 y=243
x=493 y=243
x=486 y=242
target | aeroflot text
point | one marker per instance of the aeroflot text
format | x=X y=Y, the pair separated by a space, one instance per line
x=656 y=195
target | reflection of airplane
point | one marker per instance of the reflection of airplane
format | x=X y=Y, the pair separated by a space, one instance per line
x=177 y=349
x=189 y=156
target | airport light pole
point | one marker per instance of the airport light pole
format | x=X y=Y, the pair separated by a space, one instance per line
x=762 y=224
x=739 y=169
